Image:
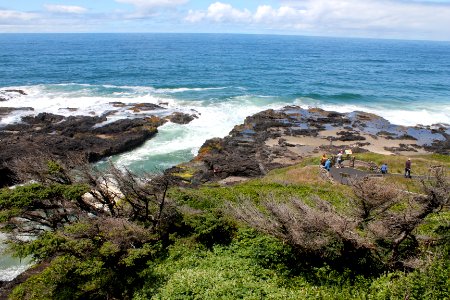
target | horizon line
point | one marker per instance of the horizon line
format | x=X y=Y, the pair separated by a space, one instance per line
x=239 y=33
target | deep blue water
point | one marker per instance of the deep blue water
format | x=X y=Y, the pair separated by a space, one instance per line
x=329 y=70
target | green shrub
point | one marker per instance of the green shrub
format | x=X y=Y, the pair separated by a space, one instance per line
x=98 y=258
x=211 y=228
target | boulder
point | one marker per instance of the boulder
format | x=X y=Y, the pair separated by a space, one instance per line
x=181 y=118
x=138 y=107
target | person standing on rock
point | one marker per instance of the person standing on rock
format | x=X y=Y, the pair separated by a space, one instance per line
x=323 y=160
x=328 y=165
x=408 y=168
x=339 y=160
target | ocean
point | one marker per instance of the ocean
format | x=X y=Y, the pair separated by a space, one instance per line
x=222 y=78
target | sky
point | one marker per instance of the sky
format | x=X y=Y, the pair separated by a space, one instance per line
x=397 y=19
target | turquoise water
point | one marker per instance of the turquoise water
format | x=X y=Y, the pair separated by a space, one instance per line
x=10 y=266
x=222 y=78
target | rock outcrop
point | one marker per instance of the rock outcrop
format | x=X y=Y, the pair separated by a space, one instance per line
x=4 y=111
x=181 y=118
x=8 y=94
x=62 y=136
x=278 y=138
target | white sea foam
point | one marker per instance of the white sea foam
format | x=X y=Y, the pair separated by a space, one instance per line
x=79 y=100
x=407 y=116
x=10 y=267
x=186 y=89
x=95 y=99
x=214 y=120
x=8 y=274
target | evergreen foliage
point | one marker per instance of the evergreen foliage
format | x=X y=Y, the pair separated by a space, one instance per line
x=179 y=243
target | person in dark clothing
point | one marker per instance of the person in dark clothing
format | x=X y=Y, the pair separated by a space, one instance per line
x=408 y=168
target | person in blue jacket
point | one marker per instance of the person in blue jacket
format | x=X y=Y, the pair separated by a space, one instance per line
x=328 y=165
x=384 y=168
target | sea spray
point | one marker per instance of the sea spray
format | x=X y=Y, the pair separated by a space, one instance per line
x=10 y=267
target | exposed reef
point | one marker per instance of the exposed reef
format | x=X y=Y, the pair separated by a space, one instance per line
x=278 y=138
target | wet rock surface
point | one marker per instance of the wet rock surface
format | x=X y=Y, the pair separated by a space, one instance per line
x=62 y=136
x=8 y=94
x=138 y=107
x=246 y=151
x=4 y=111
x=181 y=118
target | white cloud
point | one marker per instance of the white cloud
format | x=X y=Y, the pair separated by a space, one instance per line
x=267 y=14
x=221 y=12
x=150 y=8
x=195 y=16
x=150 y=4
x=376 y=18
x=65 y=9
x=12 y=16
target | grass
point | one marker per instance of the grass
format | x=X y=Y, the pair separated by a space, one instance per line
x=297 y=174
x=302 y=181
x=256 y=190
x=420 y=164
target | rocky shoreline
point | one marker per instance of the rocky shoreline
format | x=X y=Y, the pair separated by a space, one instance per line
x=278 y=138
x=60 y=136
x=265 y=141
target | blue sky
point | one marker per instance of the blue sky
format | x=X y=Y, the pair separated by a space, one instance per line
x=402 y=19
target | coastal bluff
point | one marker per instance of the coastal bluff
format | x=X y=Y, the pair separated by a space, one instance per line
x=278 y=138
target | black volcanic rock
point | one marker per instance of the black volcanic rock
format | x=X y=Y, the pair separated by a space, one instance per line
x=61 y=137
x=440 y=146
x=7 y=110
x=181 y=118
x=138 y=107
x=349 y=136
x=242 y=153
x=21 y=92
x=42 y=119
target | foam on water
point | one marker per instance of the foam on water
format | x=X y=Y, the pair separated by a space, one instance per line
x=11 y=272
x=406 y=116
x=185 y=89
x=216 y=115
x=182 y=142
x=10 y=267
x=78 y=99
